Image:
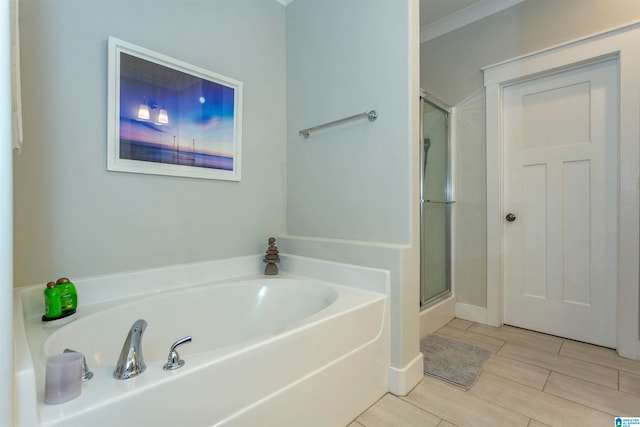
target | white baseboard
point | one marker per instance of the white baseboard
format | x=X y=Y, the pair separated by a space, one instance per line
x=436 y=316
x=629 y=351
x=473 y=313
x=402 y=381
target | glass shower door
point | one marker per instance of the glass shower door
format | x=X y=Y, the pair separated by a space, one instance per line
x=435 y=203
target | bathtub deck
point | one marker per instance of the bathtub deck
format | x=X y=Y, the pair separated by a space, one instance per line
x=530 y=379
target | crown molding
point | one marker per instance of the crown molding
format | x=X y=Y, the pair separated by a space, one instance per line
x=463 y=17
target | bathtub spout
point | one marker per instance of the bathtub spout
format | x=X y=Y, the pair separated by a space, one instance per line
x=131 y=362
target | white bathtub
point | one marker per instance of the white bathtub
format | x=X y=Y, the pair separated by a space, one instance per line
x=281 y=350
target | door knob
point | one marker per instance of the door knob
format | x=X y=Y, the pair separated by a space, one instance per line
x=510 y=217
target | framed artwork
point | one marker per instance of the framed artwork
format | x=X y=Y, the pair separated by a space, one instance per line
x=167 y=117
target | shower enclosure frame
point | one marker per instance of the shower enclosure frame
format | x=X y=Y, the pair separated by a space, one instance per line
x=448 y=200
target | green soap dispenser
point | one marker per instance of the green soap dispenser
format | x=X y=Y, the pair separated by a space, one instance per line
x=68 y=295
x=52 y=302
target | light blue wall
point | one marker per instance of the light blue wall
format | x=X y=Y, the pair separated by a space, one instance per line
x=352 y=190
x=72 y=217
x=350 y=182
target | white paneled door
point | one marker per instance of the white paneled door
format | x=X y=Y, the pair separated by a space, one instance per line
x=560 y=185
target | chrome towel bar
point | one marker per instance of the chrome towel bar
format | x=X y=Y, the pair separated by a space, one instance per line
x=371 y=115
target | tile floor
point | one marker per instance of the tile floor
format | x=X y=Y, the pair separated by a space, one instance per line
x=530 y=379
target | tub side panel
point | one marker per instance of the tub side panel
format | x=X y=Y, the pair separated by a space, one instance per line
x=207 y=392
x=332 y=396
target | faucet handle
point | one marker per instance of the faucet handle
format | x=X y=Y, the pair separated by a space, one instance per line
x=86 y=373
x=174 y=361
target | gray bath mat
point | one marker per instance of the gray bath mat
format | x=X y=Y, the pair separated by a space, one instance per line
x=453 y=361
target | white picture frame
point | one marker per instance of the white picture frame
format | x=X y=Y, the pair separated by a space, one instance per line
x=168 y=117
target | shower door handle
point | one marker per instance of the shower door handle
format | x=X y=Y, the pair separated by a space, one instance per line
x=441 y=202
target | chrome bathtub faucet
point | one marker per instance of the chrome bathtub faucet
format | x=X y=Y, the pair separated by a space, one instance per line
x=131 y=363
